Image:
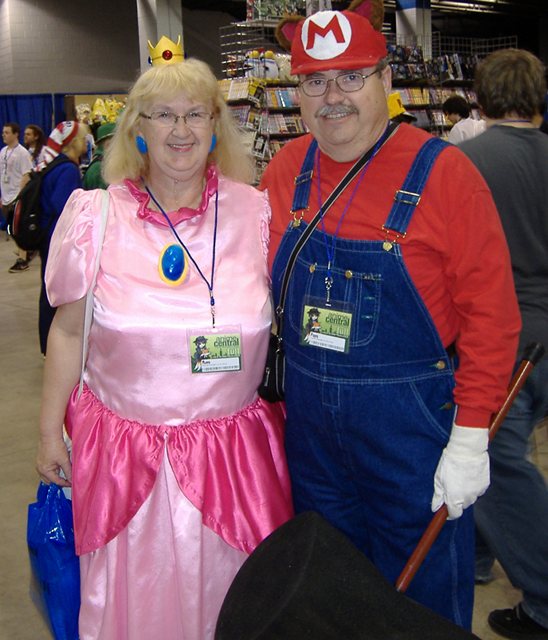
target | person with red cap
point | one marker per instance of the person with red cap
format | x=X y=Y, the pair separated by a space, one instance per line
x=388 y=410
x=67 y=142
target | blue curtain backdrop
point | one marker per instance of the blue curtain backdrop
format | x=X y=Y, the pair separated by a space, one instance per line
x=28 y=109
x=59 y=108
x=43 y=109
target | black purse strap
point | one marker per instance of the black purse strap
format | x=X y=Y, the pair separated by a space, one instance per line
x=314 y=223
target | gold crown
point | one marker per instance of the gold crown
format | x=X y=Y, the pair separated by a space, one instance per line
x=165 y=52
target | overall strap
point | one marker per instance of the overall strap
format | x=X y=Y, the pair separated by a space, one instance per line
x=303 y=181
x=408 y=197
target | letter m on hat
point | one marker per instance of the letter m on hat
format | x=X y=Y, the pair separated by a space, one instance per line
x=332 y=27
x=326 y=35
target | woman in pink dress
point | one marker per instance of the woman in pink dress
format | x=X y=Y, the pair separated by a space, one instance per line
x=178 y=470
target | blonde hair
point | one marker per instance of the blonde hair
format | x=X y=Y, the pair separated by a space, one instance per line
x=195 y=81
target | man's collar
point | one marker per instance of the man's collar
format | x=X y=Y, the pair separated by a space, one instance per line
x=520 y=123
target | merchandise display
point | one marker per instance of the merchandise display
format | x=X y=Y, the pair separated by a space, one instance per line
x=94 y=109
x=273 y=9
x=423 y=84
x=265 y=101
x=268 y=115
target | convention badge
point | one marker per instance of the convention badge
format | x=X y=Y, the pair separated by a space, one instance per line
x=326 y=326
x=5 y=178
x=216 y=350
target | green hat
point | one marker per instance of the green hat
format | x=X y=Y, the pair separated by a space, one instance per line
x=105 y=131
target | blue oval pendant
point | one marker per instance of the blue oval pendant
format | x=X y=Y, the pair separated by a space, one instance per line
x=173 y=264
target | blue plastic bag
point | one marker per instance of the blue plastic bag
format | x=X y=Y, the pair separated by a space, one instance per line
x=55 y=568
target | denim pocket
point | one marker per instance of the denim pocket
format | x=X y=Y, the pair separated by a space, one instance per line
x=363 y=290
x=434 y=401
x=366 y=290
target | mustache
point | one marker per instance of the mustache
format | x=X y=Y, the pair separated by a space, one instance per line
x=335 y=110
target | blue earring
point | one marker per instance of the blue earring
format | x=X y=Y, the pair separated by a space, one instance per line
x=141 y=144
x=213 y=143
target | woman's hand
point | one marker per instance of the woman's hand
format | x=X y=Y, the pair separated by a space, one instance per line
x=53 y=456
x=61 y=375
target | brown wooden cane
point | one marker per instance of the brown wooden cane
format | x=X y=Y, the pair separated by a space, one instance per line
x=532 y=355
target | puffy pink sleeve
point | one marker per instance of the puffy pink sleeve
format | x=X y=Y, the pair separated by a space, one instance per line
x=73 y=247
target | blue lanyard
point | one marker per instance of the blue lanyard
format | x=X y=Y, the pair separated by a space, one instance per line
x=209 y=284
x=330 y=250
x=6 y=158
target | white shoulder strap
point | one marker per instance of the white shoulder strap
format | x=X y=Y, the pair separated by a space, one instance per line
x=88 y=313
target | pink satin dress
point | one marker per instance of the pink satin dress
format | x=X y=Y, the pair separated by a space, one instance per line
x=177 y=475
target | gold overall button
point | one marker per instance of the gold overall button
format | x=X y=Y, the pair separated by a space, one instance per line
x=440 y=365
x=448 y=405
x=348 y=274
x=312 y=268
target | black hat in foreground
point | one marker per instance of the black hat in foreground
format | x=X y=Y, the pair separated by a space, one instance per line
x=307 y=581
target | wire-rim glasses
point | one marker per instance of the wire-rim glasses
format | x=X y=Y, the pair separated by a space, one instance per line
x=193 y=119
x=347 y=82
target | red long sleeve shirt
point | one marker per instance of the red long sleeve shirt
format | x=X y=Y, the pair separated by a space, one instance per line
x=455 y=251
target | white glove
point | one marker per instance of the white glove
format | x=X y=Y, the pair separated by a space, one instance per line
x=463 y=470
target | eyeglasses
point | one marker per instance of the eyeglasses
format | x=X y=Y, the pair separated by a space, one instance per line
x=347 y=82
x=193 y=120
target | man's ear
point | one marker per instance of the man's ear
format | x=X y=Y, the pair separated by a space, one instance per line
x=386 y=79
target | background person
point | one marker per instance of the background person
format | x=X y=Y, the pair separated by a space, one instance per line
x=396 y=110
x=92 y=177
x=14 y=165
x=176 y=475
x=35 y=142
x=512 y=156
x=68 y=139
x=459 y=113
x=373 y=441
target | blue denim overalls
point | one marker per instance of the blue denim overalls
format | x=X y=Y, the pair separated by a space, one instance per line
x=365 y=429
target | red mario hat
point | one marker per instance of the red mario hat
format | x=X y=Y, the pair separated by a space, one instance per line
x=334 y=39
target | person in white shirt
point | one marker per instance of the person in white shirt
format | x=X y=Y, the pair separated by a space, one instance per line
x=15 y=162
x=459 y=113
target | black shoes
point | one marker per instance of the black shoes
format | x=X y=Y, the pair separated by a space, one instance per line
x=516 y=624
x=20 y=265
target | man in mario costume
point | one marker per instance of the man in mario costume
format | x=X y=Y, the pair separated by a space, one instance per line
x=387 y=419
